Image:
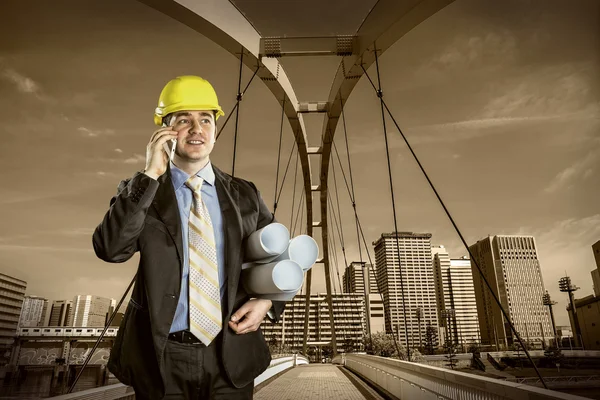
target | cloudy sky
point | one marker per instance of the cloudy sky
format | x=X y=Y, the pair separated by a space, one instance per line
x=500 y=99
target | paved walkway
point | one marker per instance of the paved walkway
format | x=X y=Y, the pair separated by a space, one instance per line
x=314 y=382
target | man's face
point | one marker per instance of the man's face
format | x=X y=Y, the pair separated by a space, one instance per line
x=196 y=134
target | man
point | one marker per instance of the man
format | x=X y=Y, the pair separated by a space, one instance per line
x=190 y=330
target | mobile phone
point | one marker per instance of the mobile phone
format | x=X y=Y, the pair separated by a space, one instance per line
x=170 y=149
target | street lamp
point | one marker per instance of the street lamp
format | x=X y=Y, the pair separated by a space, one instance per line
x=548 y=302
x=419 y=312
x=565 y=285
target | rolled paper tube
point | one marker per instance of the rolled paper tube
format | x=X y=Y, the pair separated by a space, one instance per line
x=275 y=277
x=303 y=249
x=267 y=242
x=283 y=296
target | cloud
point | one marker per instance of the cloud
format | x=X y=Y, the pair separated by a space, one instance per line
x=582 y=169
x=23 y=83
x=95 y=133
x=136 y=159
x=118 y=150
x=490 y=48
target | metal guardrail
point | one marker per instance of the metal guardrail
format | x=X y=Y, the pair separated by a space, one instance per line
x=405 y=381
x=120 y=391
x=556 y=379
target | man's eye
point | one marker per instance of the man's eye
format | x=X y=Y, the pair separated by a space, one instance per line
x=206 y=121
x=183 y=121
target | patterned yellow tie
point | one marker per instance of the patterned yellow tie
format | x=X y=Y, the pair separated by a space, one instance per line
x=205 y=298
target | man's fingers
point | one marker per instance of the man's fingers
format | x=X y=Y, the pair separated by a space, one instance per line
x=169 y=134
x=241 y=312
x=160 y=132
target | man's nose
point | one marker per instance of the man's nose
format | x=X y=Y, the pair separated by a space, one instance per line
x=195 y=127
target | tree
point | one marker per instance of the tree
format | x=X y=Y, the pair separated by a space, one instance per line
x=450 y=350
x=383 y=345
x=416 y=356
x=430 y=339
x=349 y=345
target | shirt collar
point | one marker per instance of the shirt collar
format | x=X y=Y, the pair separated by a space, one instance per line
x=179 y=177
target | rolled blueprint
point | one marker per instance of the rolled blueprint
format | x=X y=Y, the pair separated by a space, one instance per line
x=283 y=296
x=267 y=243
x=275 y=277
x=303 y=249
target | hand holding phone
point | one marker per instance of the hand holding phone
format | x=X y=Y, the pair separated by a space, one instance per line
x=158 y=151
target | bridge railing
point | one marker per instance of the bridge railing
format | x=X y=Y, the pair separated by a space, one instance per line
x=404 y=380
x=120 y=391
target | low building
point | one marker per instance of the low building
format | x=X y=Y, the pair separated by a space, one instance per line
x=349 y=319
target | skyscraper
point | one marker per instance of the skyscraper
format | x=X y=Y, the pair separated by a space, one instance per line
x=511 y=266
x=60 y=313
x=413 y=289
x=358 y=277
x=12 y=292
x=596 y=272
x=33 y=312
x=355 y=276
x=454 y=288
x=89 y=310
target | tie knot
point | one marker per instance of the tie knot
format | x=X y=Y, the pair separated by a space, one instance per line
x=195 y=183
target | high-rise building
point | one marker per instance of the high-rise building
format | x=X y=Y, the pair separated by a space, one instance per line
x=455 y=291
x=60 y=313
x=12 y=293
x=588 y=316
x=410 y=291
x=349 y=311
x=33 y=312
x=359 y=277
x=596 y=250
x=511 y=266
x=355 y=276
x=89 y=310
x=596 y=272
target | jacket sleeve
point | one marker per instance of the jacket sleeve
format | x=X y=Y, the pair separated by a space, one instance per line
x=265 y=217
x=115 y=239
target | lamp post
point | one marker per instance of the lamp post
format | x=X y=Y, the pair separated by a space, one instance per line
x=565 y=285
x=419 y=312
x=548 y=302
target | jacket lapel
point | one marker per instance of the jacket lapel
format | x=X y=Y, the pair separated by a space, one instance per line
x=165 y=203
x=228 y=193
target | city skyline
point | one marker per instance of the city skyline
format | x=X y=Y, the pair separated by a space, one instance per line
x=500 y=100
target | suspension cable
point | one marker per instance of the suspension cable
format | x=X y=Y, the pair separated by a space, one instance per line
x=278 y=160
x=237 y=111
x=372 y=265
x=506 y=317
x=300 y=209
x=294 y=191
x=341 y=233
x=237 y=103
x=387 y=152
x=353 y=197
x=285 y=174
x=332 y=244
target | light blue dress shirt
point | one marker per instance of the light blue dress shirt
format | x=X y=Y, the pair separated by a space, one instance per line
x=184 y=201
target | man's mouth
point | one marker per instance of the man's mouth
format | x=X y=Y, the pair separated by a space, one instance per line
x=195 y=142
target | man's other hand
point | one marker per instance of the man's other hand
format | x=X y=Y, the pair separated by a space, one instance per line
x=249 y=316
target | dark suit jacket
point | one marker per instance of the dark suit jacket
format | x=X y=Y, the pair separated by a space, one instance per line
x=144 y=217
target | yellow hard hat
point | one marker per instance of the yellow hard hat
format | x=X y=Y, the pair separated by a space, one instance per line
x=186 y=93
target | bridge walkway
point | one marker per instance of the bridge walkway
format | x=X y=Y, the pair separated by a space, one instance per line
x=316 y=382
